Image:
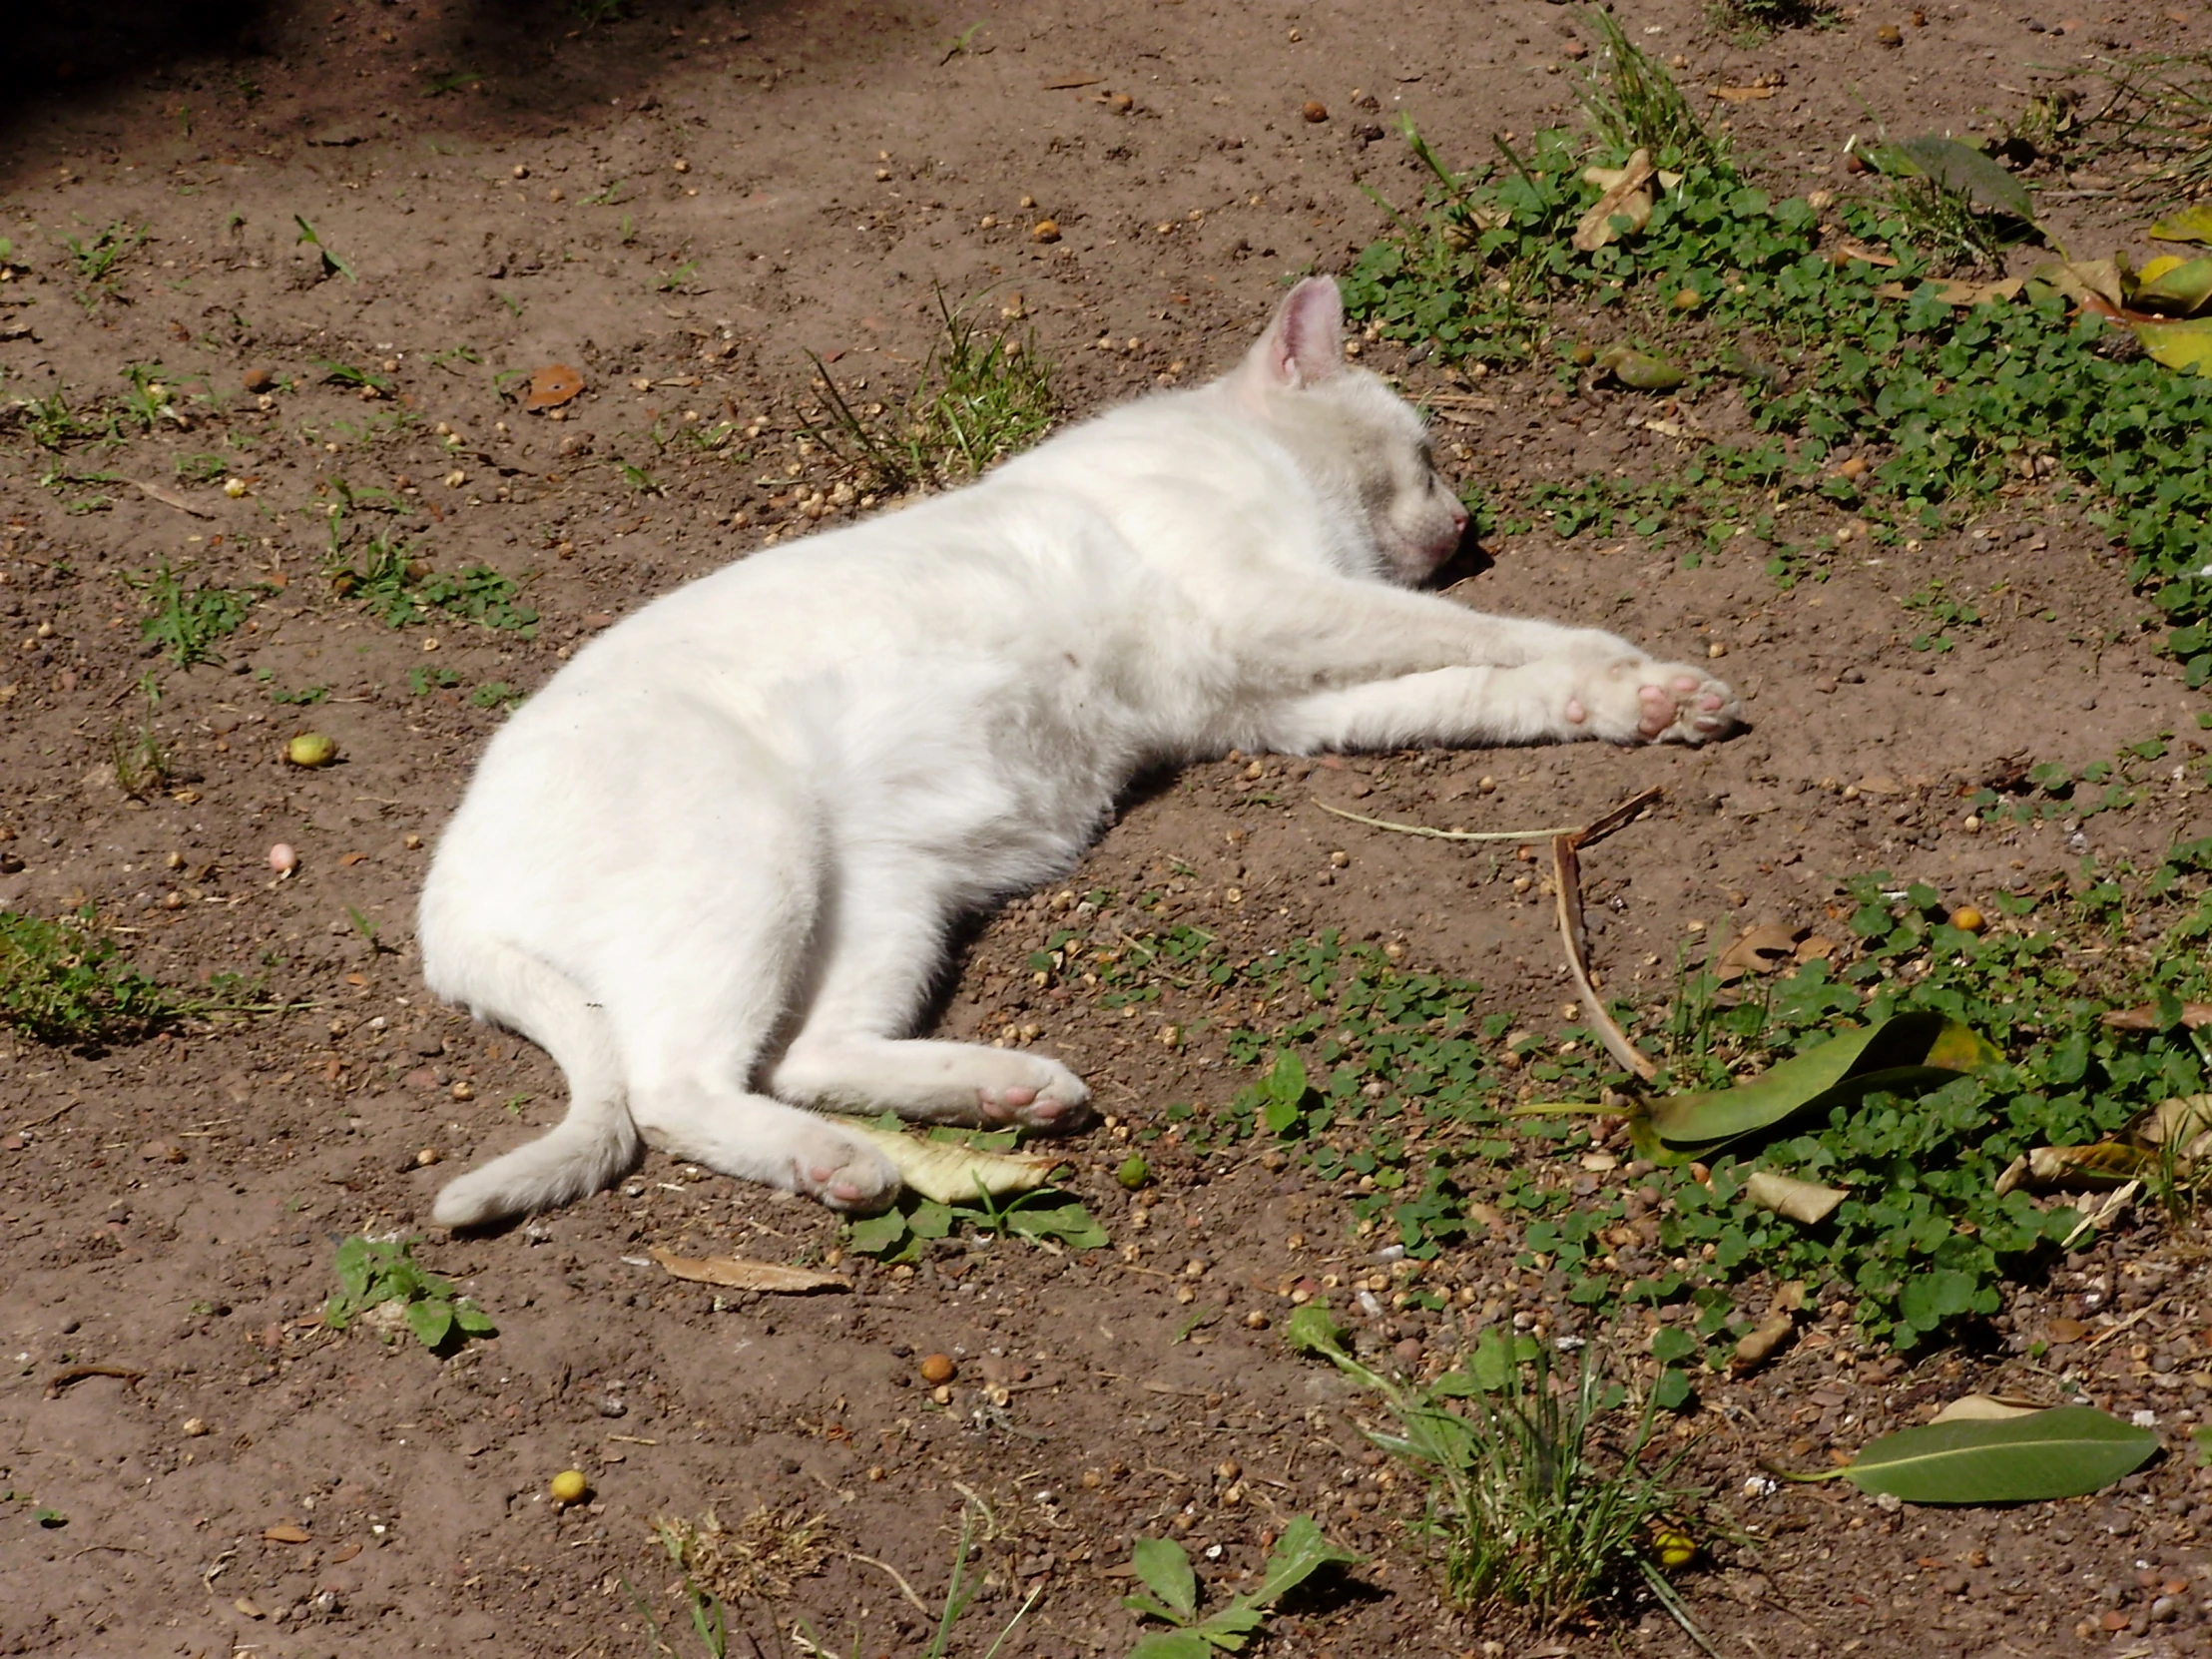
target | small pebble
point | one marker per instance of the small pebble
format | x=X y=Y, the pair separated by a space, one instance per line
x=938 y=1368
x=1315 y=112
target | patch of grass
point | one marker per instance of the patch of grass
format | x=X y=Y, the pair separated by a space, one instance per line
x=339 y=374
x=203 y=469
x=437 y=85
x=186 y=620
x=1756 y=19
x=976 y=400
x=495 y=694
x=2157 y=106
x=1935 y=216
x=53 y=424
x=141 y=760
x=1634 y=104
x=63 y=984
x=1543 y=1495
x=402 y=590
x=1954 y=404
x=423 y=680
x=1944 y=609
x=96 y=256
x=383 y=1273
x=1408 y=1091
x=762 y=1558
x=592 y=13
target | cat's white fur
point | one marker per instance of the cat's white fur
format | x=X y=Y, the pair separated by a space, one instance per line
x=713 y=864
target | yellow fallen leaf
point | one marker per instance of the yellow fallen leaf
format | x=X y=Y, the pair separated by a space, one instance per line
x=1801 y=1201
x=1629 y=198
x=2159 y=266
x=735 y=1274
x=2189 y=225
x=2179 y=344
x=1846 y=250
x=1982 y=1409
x=954 y=1174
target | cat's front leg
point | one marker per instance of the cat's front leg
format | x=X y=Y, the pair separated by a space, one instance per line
x=1619 y=696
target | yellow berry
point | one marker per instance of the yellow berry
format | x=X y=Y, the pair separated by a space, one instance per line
x=1967 y=919
x=569 y=1486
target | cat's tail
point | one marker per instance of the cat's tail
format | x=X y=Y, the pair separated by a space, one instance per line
x=590 y=1148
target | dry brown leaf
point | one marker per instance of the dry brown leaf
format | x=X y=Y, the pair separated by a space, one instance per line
x=734 y=1273
x=553 y=385
x=1816 y=949
x=1760 y=1343
x=1801 y=1201
x=286 y=1532
x=2063 y=1331
x=2183 y=1123
x=2145 y=1019
x=1761 y=948
x=2096 y=284
x=1629 y=198
x=1984 y=1409
x=1739 y=95
x=1878 y=782
x=1846 y=249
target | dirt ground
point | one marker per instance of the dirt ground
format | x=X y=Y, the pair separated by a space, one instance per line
x=681 y=205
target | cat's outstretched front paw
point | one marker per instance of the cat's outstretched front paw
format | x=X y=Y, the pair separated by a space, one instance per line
x=1641 y=701
x=1677 y=703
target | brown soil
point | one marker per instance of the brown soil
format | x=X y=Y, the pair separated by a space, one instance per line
x=681 y=205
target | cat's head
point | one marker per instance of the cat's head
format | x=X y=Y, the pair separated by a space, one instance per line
x=1361 y=443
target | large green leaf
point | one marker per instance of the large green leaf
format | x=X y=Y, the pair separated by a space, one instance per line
x=2062 y=1452
x=1904 y=1051
x=1171 y=1644
x=1961 y=168
x=1166 y=1571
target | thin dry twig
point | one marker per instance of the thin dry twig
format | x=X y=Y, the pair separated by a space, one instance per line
x=906 y=1589
x=77 y=1374
x=1567 y=879
x=1447 y=834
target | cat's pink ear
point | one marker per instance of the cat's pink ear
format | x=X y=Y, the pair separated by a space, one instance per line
x=1304 y=343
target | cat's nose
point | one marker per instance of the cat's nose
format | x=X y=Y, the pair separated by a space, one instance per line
x=1458 y=520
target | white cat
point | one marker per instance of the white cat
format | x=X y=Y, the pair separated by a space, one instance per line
x=712 y=865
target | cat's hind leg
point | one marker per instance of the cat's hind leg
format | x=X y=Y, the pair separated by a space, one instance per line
x=694 y=1001
x=879 y=945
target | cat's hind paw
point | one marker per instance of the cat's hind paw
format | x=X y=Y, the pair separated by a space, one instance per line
x=845 y=1174
x=1053 y=1099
